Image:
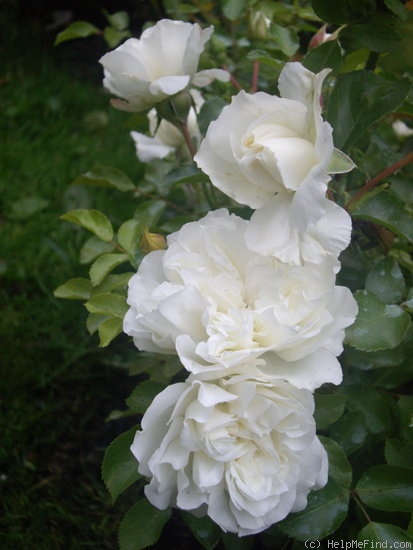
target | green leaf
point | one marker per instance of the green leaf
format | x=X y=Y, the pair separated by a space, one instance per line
x=27 y=207
x=118 y=20
x=339 y=466
x=386 y=281
x=210 y=111
x=112 y=282
x=114 y=36
x=286 y=38
x=378 y=34
x=129 y=236
x=94 y=320
x=378 y=326
x=233 y=9
x=326 y=55
x=399 y=453
x=93 y=248
x=92 y=220
x=358 y=100
x=387 y=488
x=78 y=29
x=397 y=8
x=104 y=265
x=120 y=467
x=340 y=163
x=142 y=526
x=385 y=534
x=337 y=12
x=350 y=431
x=405 y=406
x=143 y=395
x=185 y=174
x=108 y=304
x=328 y=409
x=326 y=510
x=106 y=176
x=149 y=212
x=366 y=360
x=384 y=208
x=108 y=330
x=206 y=532
x=77 y=288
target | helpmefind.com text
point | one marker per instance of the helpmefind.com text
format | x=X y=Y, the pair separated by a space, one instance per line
x=358 y=544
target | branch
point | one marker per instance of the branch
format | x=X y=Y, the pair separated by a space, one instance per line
x=379 y=177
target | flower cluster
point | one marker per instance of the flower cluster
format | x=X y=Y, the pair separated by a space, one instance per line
x=250 y=307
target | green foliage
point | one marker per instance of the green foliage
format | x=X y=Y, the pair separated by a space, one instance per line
x=142 y=526
x=367 y=421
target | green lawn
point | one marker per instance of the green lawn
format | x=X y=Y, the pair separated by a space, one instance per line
x=56 y=391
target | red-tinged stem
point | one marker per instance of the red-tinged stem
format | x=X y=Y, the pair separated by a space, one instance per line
x=407 y=159
x=232 y=79
x=255 y=74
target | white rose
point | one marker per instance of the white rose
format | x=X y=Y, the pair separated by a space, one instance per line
x=166 y=136
x=327 y=236
x=263 y=144
x=162 y=63
x=240 y=450
x=220 y=305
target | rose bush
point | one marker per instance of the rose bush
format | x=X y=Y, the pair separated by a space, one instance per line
x=240 y=450
x=159 y=65
x=262 y=144
x=166 y=137
x=220 y=305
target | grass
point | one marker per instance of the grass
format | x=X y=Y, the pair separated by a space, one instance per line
x=56 y=390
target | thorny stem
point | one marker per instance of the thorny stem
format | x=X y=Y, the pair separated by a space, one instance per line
x=407 y=159
x=255 y=74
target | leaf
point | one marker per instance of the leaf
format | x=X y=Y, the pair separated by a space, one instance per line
x=93 y=321
x=387 y=488
x=340 y=163
x=378 y=326
x=129 y=236
x=114 y=36
x=119 y=20
x=326 y=510
x=77 y=288
x=206 y=532
x=378 y=34
x=399 y=453
x=112 y=282
x=185 y=174
x=149 y=212
x=108 y=304
x=233 y=9
x=358 y=100
x=328 y=409
x=143 y=395
x=383 y=207
x=386 y=281
x=78 y=29
x=337 y=12
x=92 y=220
x=326 y=55
x=385 y=534
x=27 y=207
x=210 y=111
x=350 y=431
x=108 y=330
x=142 y=526
x=286 y=38
x=93 y=248
x=120 y=467
x=339 y=466
x=104 y=265
x=105 y=176
x=397 y=8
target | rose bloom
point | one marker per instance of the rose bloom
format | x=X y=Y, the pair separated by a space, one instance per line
x=222 y=306
x=166 y=137
x=262 y=144
x=242 y=451
x=162 y=63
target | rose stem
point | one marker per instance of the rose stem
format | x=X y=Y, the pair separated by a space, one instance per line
x=407 y=159
x=255 y=74
x=232 y=79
